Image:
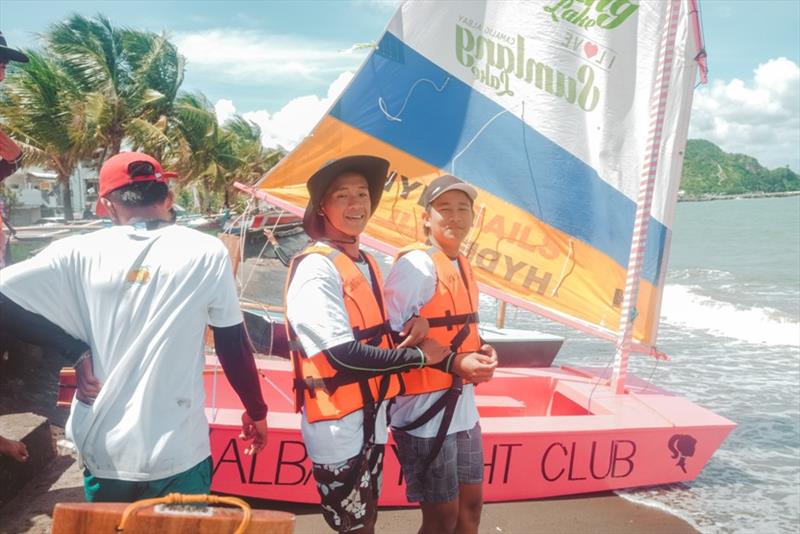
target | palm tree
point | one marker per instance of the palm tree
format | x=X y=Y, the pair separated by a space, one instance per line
x=255 y=160
x=46 y=111
x=131 y=78
x=212 y=156
x=203 y=152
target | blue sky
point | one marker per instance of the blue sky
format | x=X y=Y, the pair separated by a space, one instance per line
x=280 y=63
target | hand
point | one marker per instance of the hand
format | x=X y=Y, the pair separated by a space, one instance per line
x=434 y=351
x=15 y=449
x=9 y=150
x=255 y=431
x=489 y=351
x=475 y=367
x=88 y=384
x=414 y=331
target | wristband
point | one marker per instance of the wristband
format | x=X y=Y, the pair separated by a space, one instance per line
x=450 y=358
x=423 y=359
x=85 y=356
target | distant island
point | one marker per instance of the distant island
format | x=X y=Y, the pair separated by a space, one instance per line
x=711 y=173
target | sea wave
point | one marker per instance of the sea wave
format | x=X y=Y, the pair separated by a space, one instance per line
x=697 y=273
x=684 y=306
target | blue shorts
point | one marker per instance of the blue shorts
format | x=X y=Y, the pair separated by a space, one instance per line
x=460 y=461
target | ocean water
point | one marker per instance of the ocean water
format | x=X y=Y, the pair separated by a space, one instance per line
x=731 y=325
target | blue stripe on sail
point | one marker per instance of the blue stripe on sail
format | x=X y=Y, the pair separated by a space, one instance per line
x=509 y=158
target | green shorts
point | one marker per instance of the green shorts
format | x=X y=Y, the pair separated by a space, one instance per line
x=196 y=480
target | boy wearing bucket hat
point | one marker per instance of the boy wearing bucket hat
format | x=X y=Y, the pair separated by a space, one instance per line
x=344 y=360
x=140 y=294
x=435 y=423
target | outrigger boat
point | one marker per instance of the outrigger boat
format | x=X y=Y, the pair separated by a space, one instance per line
x=570 y=118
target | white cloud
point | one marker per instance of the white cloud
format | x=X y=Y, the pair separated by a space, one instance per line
x=224 y=109
x=760 y=118
x=289 y=125
x=378 y=5
x=253 y=58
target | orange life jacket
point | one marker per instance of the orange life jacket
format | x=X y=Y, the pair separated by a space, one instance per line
x=326 y=393
x=452 y=315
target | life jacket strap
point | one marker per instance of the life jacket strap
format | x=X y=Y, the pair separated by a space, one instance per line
x=446 y=403
x=373 y=334
x=451 y=321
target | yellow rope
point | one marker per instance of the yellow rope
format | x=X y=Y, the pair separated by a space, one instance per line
x=178 y=498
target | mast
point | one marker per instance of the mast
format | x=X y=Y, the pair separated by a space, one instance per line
x=658 y=105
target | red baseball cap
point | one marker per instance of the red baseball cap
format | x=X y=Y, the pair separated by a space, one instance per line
x=127 y=168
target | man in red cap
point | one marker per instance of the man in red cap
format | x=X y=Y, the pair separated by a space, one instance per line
x=139 y=294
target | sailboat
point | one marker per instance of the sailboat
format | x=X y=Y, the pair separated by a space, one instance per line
x=570 y=118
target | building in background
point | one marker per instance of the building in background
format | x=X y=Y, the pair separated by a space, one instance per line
x=34 y=195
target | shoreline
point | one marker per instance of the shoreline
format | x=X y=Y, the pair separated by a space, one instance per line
x=705 y=197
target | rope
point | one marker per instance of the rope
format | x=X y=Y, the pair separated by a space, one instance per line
x=480 y=217
x=178 y=498
x=477 y=134
x=396 y=118
x=564 y=272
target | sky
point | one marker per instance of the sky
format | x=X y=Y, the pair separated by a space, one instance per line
x=281 y=64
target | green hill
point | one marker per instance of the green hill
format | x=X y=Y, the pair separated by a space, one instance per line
x=708 y=170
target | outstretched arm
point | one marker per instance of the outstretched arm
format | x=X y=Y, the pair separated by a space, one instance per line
x=236 y=356
x=33 y=328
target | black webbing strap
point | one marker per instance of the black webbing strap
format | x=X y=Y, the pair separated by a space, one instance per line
x=446 y=402
x=451 y=321
x=373 y=334
x=372 y=405
x=458 y=339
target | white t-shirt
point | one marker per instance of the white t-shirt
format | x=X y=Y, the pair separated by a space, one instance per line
x=141 y=300
x=315 y=308
x=409 y=286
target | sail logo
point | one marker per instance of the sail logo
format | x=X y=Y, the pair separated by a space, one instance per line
x=587 y=49
x=605 y=14
x=494 y=64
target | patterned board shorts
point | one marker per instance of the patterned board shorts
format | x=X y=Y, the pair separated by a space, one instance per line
x=460 y=461
x=349 y=490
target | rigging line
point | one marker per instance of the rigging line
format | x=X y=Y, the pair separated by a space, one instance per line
x=242 y=233
x=564 y=272
x=486 y=125
x=481 y=218
x=599 y=380
x=396 y=118
x=392 y=210
x=271 y=323
x=276 y=388
x=261 y=253
x=253 y=268
x=528 y=161
x=650 y=378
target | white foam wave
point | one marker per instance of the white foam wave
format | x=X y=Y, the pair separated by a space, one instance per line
x=682 y=306
x=697 y=273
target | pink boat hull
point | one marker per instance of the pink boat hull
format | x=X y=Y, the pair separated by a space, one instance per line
x=538 y=439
